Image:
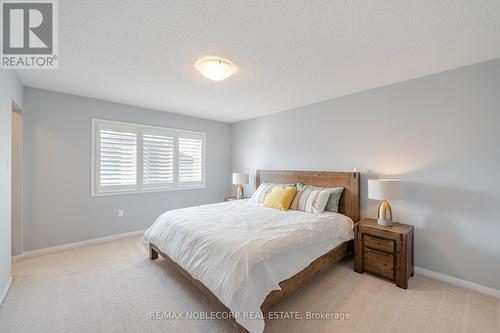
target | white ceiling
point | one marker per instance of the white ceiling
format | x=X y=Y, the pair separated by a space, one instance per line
x=289 y=53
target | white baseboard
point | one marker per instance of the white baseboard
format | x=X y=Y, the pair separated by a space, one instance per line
x=5 y=291
x=77 y=244
x=458 y=282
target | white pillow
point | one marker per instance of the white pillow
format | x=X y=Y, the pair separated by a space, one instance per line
x=261 y=193
x=264 y=189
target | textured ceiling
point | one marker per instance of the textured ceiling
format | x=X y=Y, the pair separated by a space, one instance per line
x=288 y=53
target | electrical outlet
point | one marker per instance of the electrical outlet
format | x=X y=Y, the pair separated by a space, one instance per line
x=120 y=212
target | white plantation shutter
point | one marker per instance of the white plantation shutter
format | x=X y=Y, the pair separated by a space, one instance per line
x=117 y=157
x=191 y=159
x=158 y=158
x=129 y=158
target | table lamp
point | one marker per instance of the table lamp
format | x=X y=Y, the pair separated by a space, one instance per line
x=384 y=189
x=239 y=179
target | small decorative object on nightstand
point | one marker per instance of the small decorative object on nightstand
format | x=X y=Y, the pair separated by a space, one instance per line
x=384 y=189
x=226 y=199
x=385 y=251
x=240 y=179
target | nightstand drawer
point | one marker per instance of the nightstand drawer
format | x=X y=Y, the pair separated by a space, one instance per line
x=379 y=262
x=376 y=243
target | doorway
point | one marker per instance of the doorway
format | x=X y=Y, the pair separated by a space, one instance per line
x=17 y=182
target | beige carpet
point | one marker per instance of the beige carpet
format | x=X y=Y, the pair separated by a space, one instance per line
x=113 y=287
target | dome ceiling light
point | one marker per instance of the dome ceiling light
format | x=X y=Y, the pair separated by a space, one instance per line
x=215 y=68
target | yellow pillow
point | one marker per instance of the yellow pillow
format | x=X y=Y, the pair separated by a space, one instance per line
x=280 y=197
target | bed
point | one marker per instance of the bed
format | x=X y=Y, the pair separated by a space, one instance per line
x=248 y=257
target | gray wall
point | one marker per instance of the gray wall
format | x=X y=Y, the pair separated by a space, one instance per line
x=58 y=207
x=439 y=133
x=11 y=91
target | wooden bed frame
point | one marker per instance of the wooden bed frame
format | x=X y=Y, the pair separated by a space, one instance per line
x=349 y=205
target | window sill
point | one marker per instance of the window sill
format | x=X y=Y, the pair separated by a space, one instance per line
x=150 y=190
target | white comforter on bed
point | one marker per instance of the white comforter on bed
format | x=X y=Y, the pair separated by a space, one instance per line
x=241 y=250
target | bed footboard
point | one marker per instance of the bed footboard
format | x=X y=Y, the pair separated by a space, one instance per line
x=152 y=252
x=287 y=287
x=274 y=297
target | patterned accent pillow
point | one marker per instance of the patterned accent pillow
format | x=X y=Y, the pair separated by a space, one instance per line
x=311 y=199
x=259 y=196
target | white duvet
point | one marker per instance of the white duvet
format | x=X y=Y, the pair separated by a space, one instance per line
x=241 y=251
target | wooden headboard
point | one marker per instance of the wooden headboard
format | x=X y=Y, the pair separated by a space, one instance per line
x=349 y=202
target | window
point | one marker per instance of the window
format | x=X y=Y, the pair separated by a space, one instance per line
x=190 y=159
x=129 y=158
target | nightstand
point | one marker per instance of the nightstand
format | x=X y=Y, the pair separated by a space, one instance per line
x=385 y=251
x=226 y=199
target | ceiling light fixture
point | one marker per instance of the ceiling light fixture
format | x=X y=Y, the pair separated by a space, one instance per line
x=215 y=68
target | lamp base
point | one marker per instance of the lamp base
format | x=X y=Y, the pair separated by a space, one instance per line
x=385 y=214
x=385 y=223
x=240 y=194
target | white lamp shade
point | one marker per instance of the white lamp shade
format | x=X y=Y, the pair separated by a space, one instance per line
x=384 y=189
x=240 y=178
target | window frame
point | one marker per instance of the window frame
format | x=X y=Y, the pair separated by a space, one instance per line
x=139 y=187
